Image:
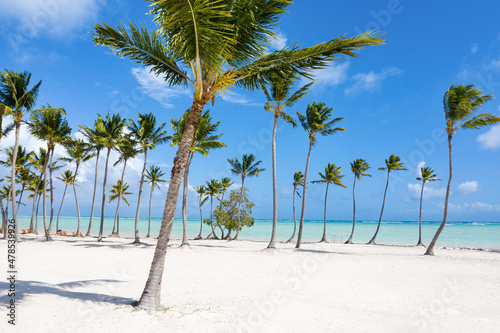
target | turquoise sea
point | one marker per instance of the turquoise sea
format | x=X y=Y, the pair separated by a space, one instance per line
x=457 y=234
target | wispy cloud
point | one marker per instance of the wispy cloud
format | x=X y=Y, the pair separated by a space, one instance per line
x=429 y=192
x=233 y=97
x=370 y=81
x=330 y=76
x=490 y=139
x=474 y=206
x=467 y=187
x=474 y=48
x=280 y=41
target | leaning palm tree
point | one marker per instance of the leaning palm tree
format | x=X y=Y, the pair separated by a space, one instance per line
x=110 y=131
x=427 y=175
x=118 y=191
x=221 y=43
x=279 y=97
x=392 y=163
x=153 y=177
x=298 y=180
x=317 y=120
x=17 y=99
x=460 y=105
x=248 y=167
x=126 y=150
x=333 y=175
x=202 y=195
x=148 y=136
x=204 y=140
x=68 y=179
x=358 y=168
x=213 y=187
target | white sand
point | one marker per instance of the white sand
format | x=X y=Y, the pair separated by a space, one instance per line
x=79 y=285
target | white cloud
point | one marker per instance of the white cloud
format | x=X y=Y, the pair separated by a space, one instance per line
x=331 y=76
x=429 y=192
x=474 y=206
x=280 y=41
x=474 y=48
x=156 y=87
x=467 y=187
x=371 y=81
x=233 y=97
x=419 y=167
x=490 y=139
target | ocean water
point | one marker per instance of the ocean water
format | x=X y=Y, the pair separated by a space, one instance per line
x=456 y=234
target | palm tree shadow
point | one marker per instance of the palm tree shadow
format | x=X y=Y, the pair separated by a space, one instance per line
x=26 y=288
x=114 y=245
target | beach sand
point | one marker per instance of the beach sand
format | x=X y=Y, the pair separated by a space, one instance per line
x=79 y=285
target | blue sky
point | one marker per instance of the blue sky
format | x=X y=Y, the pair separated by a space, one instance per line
x=391 y=98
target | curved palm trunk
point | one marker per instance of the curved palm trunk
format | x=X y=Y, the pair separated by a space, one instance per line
x=430 y=248
x=420 y=217
x=76 y=201
x=115 y=232
x=184 y=201
x=372 y=241
x=101 y=227
x=13 y=180
x=51 y=192
x=272 y=243
x=20 y=198
x=349 y=241
x=137 y=241
x=323 y=239
x=149 y=214
x=201 y=224
x=93 y=197
x=294 y=220
x=60 y=208
x=44 y=203
x=302 y=210
x=239 y=207
x=150 y=298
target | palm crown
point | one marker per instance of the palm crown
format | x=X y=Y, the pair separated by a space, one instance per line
x=359 y=168
x=393 y=163
x=317 y=120
x=153 y=175
x=119 y=190
x=428 y=175
x=77 y=151
x=146 y=132
x=67 y=178
x=50 y=126
x=127 y=149
x=247 y=168
x=298 y=178
x=109 y=130
x=332 y=175
x=213 y=187
x=23 y=159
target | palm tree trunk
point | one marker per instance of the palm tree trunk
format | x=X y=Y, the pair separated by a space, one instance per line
x=51 y=191
x=4 y=219
x=101 y=227
x=149 y=214
x=4 y=226
x=323 y=239
x=201 y=218
x=372 y=241
x=76 y=201
x=272 y=243
x=294 y=220
x=430 y=248
x=349 y=241
x=44 y=201
x=137 y=241
x=13 y=180
x=93 y=197
x=60 y=208
x=114 y=233
x=20 y=198
x=239 y=207
x=420 y=217
x=185 y=241
x=302 y=210
x=36 y=217
x=150 y=298
x=35 y=195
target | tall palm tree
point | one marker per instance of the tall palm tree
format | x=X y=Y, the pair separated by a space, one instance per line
x=68 y=179
x=222 y=44
x=17 y=99
x=333 y=175
x=78 y=153
x=317 y=121
x=460 y=106
x=358 y=168
x=248 y=167
x=392 y=163
x=153 y=177
x=298 y=180
x=110 y=131
x=148 y=136
x=118 y=191
x=204 y=140
x=126 y=150
x=38 y=161
x=213 y=187
x=95 y=145
x=279 y=97
x=202 y=195
x=427 y=175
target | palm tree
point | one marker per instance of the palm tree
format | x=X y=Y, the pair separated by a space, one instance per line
x=358 y=168
x=95 y=145
x=318 y=120
x=298 y=180
x=36 y=187
x=5 y=194
x=225 y=184
x=23 y=163
x=281 y=96
x=213 y=187
x=16 y=99
x=38 y=161
x=333 y=175
x=4 y=131
x=118 y=191
x=393 y=163
x=148 y=136
x=153 y=177
x=23 y=178
x=68 y=179
x=222 y=43
x=427 y=175
x=78 y=153
x=460 y=105
x=202 y=192
x=110 y=131
x=204 y=140
x=126 y=150
x=247 y=168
